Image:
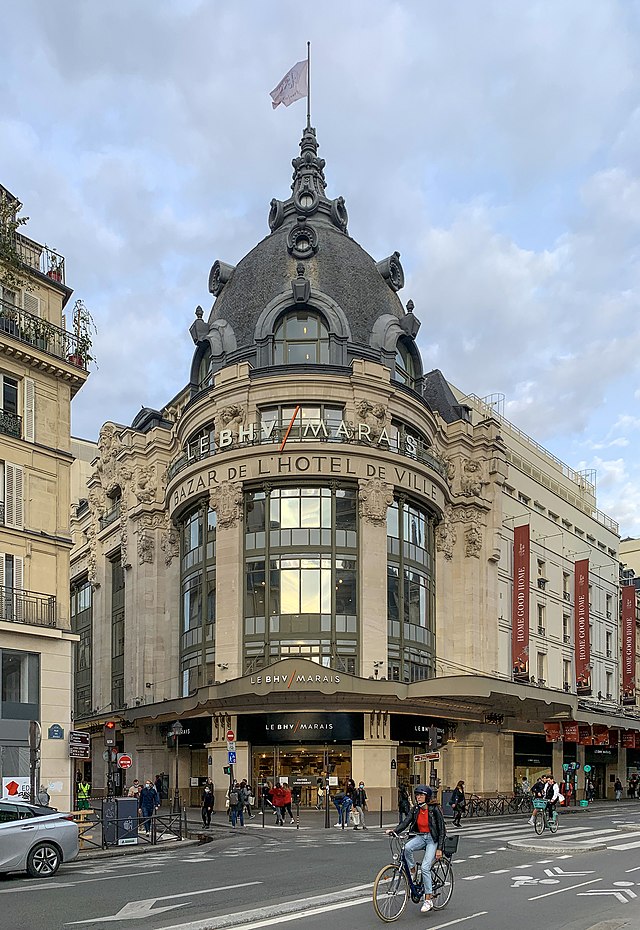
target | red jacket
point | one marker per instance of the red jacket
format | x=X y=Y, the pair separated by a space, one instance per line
x=278 y=797
x=287 y=795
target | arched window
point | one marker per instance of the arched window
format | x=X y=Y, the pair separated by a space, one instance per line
x=204 y=369
x=405 y=365
x=300 y=338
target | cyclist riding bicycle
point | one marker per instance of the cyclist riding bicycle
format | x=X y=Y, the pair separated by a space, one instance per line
x=538 y=791
x=426 y=821
x=551 y=795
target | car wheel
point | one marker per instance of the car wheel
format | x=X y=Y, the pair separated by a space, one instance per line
x=43 y=860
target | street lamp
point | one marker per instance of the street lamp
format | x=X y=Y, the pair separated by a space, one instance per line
x=176 y=730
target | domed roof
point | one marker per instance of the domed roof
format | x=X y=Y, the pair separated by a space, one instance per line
x=310 y=230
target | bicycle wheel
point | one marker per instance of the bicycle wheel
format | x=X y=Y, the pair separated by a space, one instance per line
x=553 y=824
x=538 y=822
x=514 y=805
x=442 y=881
x=390 y=893
x=527 y=805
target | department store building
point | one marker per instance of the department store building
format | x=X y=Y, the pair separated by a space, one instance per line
x=313 y=545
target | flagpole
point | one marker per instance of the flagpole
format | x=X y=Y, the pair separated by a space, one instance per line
x=308 y=85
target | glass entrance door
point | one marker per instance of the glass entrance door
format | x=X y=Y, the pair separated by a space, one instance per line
x=304 y=764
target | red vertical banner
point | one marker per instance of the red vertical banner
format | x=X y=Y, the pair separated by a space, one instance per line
x=520 y=604
x=628 y=644
x=583 y=645
x=552 y=732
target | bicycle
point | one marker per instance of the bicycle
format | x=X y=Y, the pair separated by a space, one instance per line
x=521 y=804
x=393 y=885
x=541 y=819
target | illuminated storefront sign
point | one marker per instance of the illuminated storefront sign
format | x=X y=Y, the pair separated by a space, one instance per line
x=306 y=728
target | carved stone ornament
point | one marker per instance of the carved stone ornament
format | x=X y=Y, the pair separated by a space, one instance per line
x=219 y=275
x=375 y=416
x=471 y=481
x=146 y=548
x=375 y=497
x=170 y=545
x=232 y=417
x=446 y=535
x=92 y=559
x=226 y=500
x=109 y=446
x=392 y=271
x=302 y=240
x=124 y=535
x=145 y=484
x=473 y=541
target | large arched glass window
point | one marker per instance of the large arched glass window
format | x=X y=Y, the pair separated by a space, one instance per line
x=198 y=595
x=405 y=365
x=204 y=369
x=301 y=337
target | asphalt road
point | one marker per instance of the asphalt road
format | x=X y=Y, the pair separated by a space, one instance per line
x=263 y=878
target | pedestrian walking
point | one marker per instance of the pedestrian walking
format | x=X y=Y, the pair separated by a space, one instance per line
x=320 y=796
x=135 y=789
x=617 y=787
x=458 y=803
x=265 y=795
x=278 y=795
x=207 y=805
x=158 y=784
x=249 y=800
x=237 y=797
x=286 y=807
x=404 y=804
x=343 y=804
x=148 y=804
x=359 y=805
x=525 y=787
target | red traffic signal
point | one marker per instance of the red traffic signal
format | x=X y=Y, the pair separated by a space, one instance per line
x=110 y=733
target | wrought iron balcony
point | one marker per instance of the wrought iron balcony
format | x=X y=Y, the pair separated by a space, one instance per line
x=40 y=257
x=19 y=606
x=10 y=424
x=110 y=516
x=41 y=334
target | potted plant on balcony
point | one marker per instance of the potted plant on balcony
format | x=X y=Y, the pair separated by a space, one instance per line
x=55 y=264
x=12 y=274
x=83 y=329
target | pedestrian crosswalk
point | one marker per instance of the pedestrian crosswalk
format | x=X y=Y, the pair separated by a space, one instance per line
x=619 y=836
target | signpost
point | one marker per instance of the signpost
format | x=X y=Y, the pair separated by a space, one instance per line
x=231 y=754
x=427 y=757
x=79 y=745
x=124 y=761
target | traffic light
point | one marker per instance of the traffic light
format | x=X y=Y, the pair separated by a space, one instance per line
x=227 y=769
x=110 y=733
x=436 y=738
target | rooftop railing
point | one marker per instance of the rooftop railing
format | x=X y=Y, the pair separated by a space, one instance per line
x=40 y=257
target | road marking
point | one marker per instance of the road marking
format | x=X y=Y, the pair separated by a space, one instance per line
x=544 y=861
x=617 y=894
x=136 y=909
x=556 y=870
x=635 y=869
x=562 y=890
x=474 y=857
x=527 y=866
x=87 y=881
x=332 y=907
x=626 y=845
x=471 y=878
x=565 y=857
x=499 y=871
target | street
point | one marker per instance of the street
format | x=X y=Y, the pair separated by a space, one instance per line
x=260 y=878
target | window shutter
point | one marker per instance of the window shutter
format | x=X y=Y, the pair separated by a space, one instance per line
x=31 y=303
x=29 y=420
x=3 y=593
x=13 y=496
x=18 y=585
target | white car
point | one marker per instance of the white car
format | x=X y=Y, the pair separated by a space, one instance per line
x=35 y=838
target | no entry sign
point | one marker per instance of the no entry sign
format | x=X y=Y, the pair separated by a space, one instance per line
x=124 y=761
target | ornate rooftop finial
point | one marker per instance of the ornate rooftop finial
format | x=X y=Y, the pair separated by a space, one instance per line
x=308 y=171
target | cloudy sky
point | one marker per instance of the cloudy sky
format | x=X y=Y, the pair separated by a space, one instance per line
x=494 y=144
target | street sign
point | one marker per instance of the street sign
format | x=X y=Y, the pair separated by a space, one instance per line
x=55 y=732
x=231 y=758
x=230 y=736
x=587 y=769
x=124 y=761
x=79 y=744
x=427 y=757
x=231 y=747
x=176 y=729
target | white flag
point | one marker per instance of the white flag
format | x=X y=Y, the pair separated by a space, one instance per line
x=292 y=87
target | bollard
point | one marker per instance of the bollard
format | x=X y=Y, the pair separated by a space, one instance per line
x=381 y=813
x=263 y=813
x=297 y=815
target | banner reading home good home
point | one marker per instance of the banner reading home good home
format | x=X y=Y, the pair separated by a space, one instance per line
x=583 y=645
x=629 y=644
x=520 y=605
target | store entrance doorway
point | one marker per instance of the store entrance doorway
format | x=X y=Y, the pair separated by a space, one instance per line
x=301 y=767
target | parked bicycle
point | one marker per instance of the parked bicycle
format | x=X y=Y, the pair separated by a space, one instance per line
x=394 y=885
x=521 y=804
x=541 y=819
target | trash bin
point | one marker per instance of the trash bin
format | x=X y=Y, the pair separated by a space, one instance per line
x=120 y=821
x=446 y=803
x=584 y=803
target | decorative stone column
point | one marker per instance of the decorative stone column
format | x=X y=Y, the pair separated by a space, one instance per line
x=375 y=496
x=226 y=500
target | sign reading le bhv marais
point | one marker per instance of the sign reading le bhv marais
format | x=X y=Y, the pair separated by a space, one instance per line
x=303 y=728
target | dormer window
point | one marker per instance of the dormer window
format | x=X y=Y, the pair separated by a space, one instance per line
x=301 y=337
x=405 y=365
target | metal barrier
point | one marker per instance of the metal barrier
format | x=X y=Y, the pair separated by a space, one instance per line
x=497 y=806
x=98 y=832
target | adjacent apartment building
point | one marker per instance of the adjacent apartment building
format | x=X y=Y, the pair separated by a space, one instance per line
x=326 y=551
x=42 y=367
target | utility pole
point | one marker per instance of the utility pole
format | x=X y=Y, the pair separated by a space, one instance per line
x=176 y=730
x=35 y=739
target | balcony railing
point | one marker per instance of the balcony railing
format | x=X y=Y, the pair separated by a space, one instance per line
x=41 y=334
x=109 y=516
x=45 y=260
x=19 y=606
x=10 y=423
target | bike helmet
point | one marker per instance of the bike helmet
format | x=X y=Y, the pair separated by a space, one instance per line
x=423 y=789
